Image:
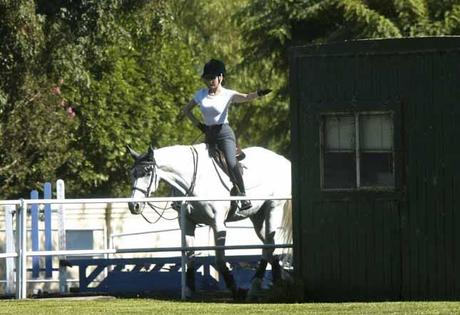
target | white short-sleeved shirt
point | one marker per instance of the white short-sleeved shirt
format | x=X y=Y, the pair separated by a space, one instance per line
x=214 y=108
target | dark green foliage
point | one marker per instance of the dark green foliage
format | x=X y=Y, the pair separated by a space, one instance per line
x=125 y=68
x=270 y=27
x=119 y=79
x=32 y=112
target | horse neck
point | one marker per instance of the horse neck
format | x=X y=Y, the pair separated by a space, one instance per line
x=176 y=165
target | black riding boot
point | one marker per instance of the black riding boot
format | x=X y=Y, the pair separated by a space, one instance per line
x=243 y=204
x=237 y=179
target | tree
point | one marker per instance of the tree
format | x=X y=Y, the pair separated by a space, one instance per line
x=86 y=78
x=32 y=118
x=270 y=27
x=82 y=79
x=121 y=75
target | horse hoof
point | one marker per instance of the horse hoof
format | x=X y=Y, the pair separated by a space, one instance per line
x=188 y=293
x=256 y=288
x=240 y=294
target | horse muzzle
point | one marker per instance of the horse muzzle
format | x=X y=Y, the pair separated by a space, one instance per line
x=136 y=207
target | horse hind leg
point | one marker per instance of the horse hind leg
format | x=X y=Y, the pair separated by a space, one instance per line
x=265 y=226
x=276 y=270
x=258 y=221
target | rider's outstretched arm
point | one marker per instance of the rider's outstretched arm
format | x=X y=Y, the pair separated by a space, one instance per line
x=241 y=97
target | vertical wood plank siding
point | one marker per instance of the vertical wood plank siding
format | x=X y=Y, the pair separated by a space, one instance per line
x=402 y=244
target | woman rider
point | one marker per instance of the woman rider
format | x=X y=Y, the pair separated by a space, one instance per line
x=214 y=102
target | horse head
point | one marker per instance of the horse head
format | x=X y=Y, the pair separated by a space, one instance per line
x=144 y=179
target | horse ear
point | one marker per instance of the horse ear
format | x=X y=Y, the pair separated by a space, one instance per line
x=133 y=153
x=150 y=153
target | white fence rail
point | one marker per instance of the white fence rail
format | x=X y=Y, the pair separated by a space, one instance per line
x=21 y=254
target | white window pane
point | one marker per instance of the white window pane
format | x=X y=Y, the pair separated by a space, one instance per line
x=376 y=132
x=340 y=133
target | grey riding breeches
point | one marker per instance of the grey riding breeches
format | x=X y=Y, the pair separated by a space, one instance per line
x=224 y=138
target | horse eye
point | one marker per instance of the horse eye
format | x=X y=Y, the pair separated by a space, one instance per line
x=137 y=173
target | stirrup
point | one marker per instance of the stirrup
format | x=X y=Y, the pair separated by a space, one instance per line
x=245 y=205
x=240 y=156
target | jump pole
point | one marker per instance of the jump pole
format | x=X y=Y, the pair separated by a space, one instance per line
x=183 y=208
x=9 y=246
x=60 y=195
x=21 y=268
x=47 y=194
x=35 y=234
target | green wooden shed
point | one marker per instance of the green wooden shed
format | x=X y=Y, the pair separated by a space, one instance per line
x=376 y=169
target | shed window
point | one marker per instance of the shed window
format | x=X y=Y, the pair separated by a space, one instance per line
x=357 y=150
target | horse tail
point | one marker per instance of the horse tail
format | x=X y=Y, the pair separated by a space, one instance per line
x=286 y=222
x=286 y=232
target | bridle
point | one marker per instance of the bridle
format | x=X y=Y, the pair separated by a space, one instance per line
x=149 y=168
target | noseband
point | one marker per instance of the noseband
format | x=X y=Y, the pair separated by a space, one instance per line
x=149 y=168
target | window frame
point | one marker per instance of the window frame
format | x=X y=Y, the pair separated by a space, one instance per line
x=357 y=150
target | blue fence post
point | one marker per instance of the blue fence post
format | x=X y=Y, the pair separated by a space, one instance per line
x=48 y=231
x=35 y=235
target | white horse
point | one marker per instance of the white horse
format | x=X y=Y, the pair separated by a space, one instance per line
x=190 y=170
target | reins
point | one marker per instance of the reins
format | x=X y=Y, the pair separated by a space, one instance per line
x=157 y=211
x=218 y=175
x=195 y=171
x=151 y=205
x=152 y=179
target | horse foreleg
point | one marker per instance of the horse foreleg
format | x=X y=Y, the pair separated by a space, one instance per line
x=219 y=238
x=256 y=282
x=238 y=294
x=260 y=271
x=191 y=270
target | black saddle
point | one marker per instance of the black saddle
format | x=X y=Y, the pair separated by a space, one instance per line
x=218 y=156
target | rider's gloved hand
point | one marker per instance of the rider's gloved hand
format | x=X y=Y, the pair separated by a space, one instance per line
x=202 y=127
x=262 y=92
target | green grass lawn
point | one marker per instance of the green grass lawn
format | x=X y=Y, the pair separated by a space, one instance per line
x=104 y=305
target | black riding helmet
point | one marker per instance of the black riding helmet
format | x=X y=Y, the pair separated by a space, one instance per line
x=213 y=68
